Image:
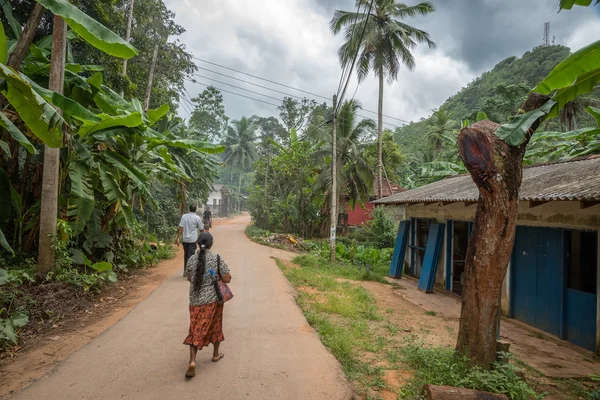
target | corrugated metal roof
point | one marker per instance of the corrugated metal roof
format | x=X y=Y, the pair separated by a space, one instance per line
x=571 y=180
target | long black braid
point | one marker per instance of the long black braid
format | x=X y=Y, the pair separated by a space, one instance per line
x=205 y=240
x=200 y=269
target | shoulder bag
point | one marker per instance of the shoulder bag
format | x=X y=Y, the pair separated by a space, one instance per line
x=225 y=290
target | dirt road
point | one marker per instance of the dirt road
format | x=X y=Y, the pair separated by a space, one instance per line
x=270 y=350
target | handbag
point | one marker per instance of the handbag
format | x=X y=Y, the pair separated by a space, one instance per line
x=226 y=292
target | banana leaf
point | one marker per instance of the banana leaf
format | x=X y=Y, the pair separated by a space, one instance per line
x=594 y=112
x=14 y=24
x=40 y=117
x=3 y=45
x=566 y=72
x=570 y=135
x=16 y=133
x=81 y=200
x=90 y=30
x=68 y=106
x=515 y=133
x=126 y=166
x=155 y=115
x=112 y=190
x=107 y=121
x=568 y=4
x=5 y=244
x=584 y=83
x=5 y=147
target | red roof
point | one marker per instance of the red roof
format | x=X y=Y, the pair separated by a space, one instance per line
x=386 y=188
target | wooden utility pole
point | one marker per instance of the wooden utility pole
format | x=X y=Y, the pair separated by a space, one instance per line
x=49 y=200
x=334 y=212
x=150 y=78
x=128 y=36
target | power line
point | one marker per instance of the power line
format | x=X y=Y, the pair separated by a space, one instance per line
x=245 y=81
x=237 y=94
x=258 y=77
x=281 y=92
x=266 y=102
x=237 y=87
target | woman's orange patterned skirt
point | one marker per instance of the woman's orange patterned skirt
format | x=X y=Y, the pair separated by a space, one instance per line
x=206 y=325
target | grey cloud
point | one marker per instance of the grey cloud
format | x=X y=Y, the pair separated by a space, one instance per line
x=472 y=36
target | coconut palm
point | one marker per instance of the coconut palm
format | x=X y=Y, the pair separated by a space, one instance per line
x=386 y=44
x=241 y=150
x=354 y=175
x=440 y=127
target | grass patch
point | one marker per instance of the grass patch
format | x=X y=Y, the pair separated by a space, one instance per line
x=345 y=316
x=432 y=313
x=443 y=366
x=367 y=343
x=342 y=268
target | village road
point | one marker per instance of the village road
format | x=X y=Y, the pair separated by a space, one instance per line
x=270 y=351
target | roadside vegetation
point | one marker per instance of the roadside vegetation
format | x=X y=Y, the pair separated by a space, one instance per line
x=385 y=356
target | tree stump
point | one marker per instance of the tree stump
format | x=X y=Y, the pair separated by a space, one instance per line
x=434 y=392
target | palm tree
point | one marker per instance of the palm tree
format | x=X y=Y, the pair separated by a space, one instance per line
x=241 y=147
x=440 y=126
x=354 y=175
x=387 y=42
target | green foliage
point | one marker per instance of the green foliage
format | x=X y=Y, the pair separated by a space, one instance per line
x=9 y=326
x=289 y=204
x=443 y=366
x=295 y=113
x=89 y=29
x=568 y=4
x=382 y=228
x=517 y=132
x=208 y=117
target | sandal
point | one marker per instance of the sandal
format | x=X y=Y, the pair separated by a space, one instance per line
x=221 y=355
x=191 y=372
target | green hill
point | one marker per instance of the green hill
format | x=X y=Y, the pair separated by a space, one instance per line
x=498 y=92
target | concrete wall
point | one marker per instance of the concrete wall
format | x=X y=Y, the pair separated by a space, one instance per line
x=557 y=214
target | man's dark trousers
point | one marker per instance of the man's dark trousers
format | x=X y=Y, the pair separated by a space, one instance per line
x=188 y=250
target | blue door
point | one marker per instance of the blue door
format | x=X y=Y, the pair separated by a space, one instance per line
x=397 y=266
x=432 y=256
x=580 y=297
x=537 y=278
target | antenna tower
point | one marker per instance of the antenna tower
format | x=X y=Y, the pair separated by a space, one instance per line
x=546 y=40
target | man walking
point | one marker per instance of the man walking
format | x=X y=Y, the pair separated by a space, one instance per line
x=190 y=227
x=207 y=218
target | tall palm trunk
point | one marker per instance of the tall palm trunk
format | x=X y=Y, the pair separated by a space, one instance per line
x=380 y=136
x=49 y=201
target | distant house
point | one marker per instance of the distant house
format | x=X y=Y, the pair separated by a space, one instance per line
x=360 y=215
x=552 y=280
x=218 y=200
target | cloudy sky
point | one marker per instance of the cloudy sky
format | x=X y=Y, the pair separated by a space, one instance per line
x=289 y=41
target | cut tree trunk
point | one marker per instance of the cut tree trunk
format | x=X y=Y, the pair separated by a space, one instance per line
x=434 y=392
x=50 y=176
x=496 y=169
x=380 y=137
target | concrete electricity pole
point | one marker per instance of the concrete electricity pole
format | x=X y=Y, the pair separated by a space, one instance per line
x=334 y=212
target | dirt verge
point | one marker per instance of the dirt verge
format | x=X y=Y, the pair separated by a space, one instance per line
x=39 y=354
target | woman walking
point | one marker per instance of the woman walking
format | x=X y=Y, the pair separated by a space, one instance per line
x=206 y=314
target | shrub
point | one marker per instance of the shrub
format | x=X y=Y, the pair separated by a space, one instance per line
x=443 y=366
x=381 y=228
